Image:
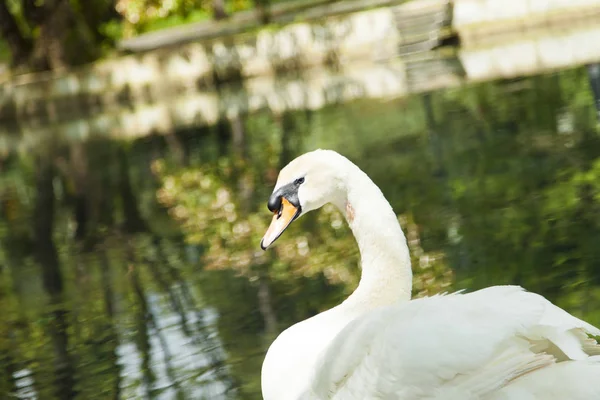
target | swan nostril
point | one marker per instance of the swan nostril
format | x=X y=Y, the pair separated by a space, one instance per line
x=274 y=203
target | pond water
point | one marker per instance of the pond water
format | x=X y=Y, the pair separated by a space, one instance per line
x=132 y=268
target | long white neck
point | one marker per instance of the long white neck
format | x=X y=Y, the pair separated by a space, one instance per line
x=386 y=269
x=386 y=275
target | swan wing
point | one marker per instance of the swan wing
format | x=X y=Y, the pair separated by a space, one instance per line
x=456 y=346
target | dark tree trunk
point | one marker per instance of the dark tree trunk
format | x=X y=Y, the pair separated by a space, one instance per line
x=435 y=143
x=238 y=132
x=142 y=322
x=110 y=310
x=288 y=129
x=52 y=279
x=265 y=306
x=594 y=77
x=263 y=9
x=19 y=45
x=33 y=13
x=182 y=302
x=79 y=166
x=133 y=219
x=146 y=321
x=50 y=48
x=95 y=13
x=8 y=383
x=219 y=12
x=177 y=148
x=44 y=225
x=223 y=129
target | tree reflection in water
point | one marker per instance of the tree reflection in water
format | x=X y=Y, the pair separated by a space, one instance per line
x=133 y=269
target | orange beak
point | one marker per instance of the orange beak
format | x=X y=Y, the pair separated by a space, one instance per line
x=281 y=220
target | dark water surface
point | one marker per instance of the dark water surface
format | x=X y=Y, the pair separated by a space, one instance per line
x=132 y=269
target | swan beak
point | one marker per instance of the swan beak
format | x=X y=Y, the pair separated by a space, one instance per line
x=281 y=220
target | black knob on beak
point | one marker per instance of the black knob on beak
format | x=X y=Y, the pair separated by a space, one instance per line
x=274 y=203
x=289 y=191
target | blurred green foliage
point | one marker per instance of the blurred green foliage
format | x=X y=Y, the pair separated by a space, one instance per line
x=150 y=15
x=210 y=213
x=52 y=34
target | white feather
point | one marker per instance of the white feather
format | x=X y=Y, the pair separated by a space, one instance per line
x=471 y=346
x=497 y=343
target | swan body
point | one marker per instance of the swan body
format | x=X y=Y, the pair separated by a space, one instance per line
x=497 y=343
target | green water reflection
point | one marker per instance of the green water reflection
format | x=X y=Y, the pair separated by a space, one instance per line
x=133 y=269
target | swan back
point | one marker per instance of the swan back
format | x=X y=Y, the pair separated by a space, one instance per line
x=471 y=346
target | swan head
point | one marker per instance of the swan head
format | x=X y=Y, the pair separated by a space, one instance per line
x=308 y=182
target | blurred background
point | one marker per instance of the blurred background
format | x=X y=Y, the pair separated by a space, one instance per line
x=140 y=140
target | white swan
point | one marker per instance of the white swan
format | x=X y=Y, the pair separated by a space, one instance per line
x=497 y=343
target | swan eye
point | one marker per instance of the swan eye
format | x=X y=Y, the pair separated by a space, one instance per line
x=299 y=181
